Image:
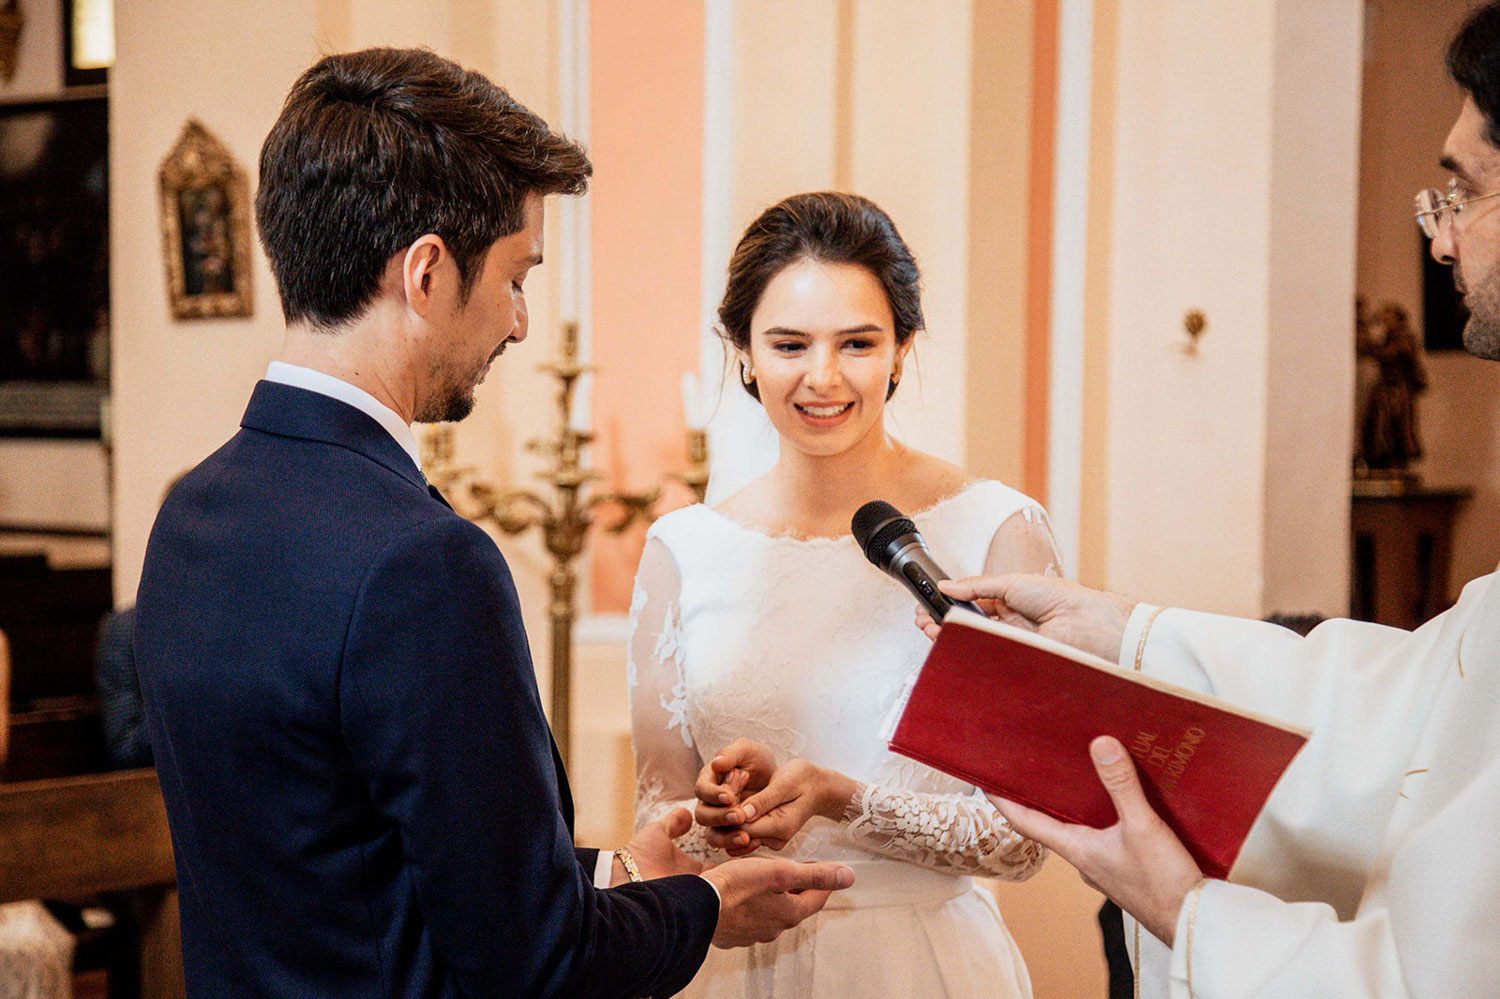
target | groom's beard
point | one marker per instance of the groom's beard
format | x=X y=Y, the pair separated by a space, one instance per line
x=453 y=397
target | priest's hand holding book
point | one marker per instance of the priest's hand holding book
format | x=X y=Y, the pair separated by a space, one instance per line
x=1138 y=862
x=991 y=697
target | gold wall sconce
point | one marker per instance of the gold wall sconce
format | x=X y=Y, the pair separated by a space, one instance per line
x=1194 y=322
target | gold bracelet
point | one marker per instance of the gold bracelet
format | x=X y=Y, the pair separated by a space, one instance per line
x=628 y=862
x=1140 y=646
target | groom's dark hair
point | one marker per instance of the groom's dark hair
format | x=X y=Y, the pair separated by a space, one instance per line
x=829 y=227
x=377 y=148
x=1474 y=64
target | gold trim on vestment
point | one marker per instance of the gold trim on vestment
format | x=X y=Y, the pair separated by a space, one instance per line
x=1192 y=921
x=1135 y=963
x=1140 y=646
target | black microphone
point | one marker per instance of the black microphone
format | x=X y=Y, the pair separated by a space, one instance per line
x=890 y=540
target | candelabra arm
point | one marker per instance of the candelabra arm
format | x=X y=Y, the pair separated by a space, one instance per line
x=633 y=507
x=512 y=511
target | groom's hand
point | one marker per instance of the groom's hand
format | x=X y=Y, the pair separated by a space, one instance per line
x=761 y=897
x=1091 y=620
x=655 y=854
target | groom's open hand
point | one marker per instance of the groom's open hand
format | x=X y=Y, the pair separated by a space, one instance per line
x=655 y=853
x=761 y=897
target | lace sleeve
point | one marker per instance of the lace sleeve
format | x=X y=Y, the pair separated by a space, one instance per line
x=961 y=833
x=666 y=761
x=957 y=833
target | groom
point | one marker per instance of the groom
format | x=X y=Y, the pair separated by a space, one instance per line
x=363 y=793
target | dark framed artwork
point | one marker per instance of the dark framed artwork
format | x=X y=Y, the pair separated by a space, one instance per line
x=54 y=267
x=205 y=226
x=1443 y=311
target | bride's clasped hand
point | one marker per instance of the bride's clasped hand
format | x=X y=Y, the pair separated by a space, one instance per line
x=746 y=801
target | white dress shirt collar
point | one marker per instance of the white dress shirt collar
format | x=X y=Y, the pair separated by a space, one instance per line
x=336 y=388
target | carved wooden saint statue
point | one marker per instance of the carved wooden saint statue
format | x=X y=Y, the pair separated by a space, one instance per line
x=1388 y=440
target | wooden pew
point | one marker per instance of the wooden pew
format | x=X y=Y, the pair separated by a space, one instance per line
x=76 y=836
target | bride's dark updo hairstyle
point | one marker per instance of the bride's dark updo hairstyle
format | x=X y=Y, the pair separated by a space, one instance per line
x=828 y=227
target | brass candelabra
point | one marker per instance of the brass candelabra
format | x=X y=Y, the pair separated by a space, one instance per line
x=564 y=518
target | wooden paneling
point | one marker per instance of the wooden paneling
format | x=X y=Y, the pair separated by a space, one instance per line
x=79 y=835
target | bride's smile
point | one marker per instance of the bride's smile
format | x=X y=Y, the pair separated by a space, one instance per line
x=823 y=350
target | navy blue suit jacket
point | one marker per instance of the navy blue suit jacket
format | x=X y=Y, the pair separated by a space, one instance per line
x=363 y=793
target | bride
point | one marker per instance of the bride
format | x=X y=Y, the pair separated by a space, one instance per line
x=758 y=622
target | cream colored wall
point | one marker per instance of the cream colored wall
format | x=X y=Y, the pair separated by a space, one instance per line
x=1186 y=434
x=54 y=483
x=1409 y=105
x=910 y=153
x=1310 y=369
x=1216 y=465
x=179 y=388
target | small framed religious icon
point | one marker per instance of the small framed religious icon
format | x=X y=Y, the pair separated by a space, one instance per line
x=205 y=227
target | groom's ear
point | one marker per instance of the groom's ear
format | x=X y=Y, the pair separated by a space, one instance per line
x=420 y=264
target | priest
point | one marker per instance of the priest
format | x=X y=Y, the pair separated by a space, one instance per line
x=1374 y=869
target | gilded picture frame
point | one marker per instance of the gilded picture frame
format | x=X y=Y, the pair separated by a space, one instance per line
x=205 y=227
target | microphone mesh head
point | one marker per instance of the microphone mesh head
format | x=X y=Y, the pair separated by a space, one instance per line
x=875 y=524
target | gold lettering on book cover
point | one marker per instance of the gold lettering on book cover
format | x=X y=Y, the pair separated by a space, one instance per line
x=1171 y=760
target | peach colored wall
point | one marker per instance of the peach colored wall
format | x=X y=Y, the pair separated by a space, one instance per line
x=1040 y=184
x=646 y=136
x=1093 y=541
x=1002 y=263
x=1409 y=105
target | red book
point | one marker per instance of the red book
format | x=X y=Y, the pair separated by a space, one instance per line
x=1013 y=713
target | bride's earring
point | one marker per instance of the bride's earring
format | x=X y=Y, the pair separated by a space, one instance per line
x=896 y=376
x=747 y=374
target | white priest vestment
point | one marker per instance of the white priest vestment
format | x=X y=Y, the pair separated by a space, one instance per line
x=1374 y=869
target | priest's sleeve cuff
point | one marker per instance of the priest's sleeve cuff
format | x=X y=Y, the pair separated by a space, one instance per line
x=1137 y=633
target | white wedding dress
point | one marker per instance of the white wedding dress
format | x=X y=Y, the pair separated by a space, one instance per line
x=807 y=647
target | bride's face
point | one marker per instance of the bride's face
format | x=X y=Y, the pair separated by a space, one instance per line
x=822 y=347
